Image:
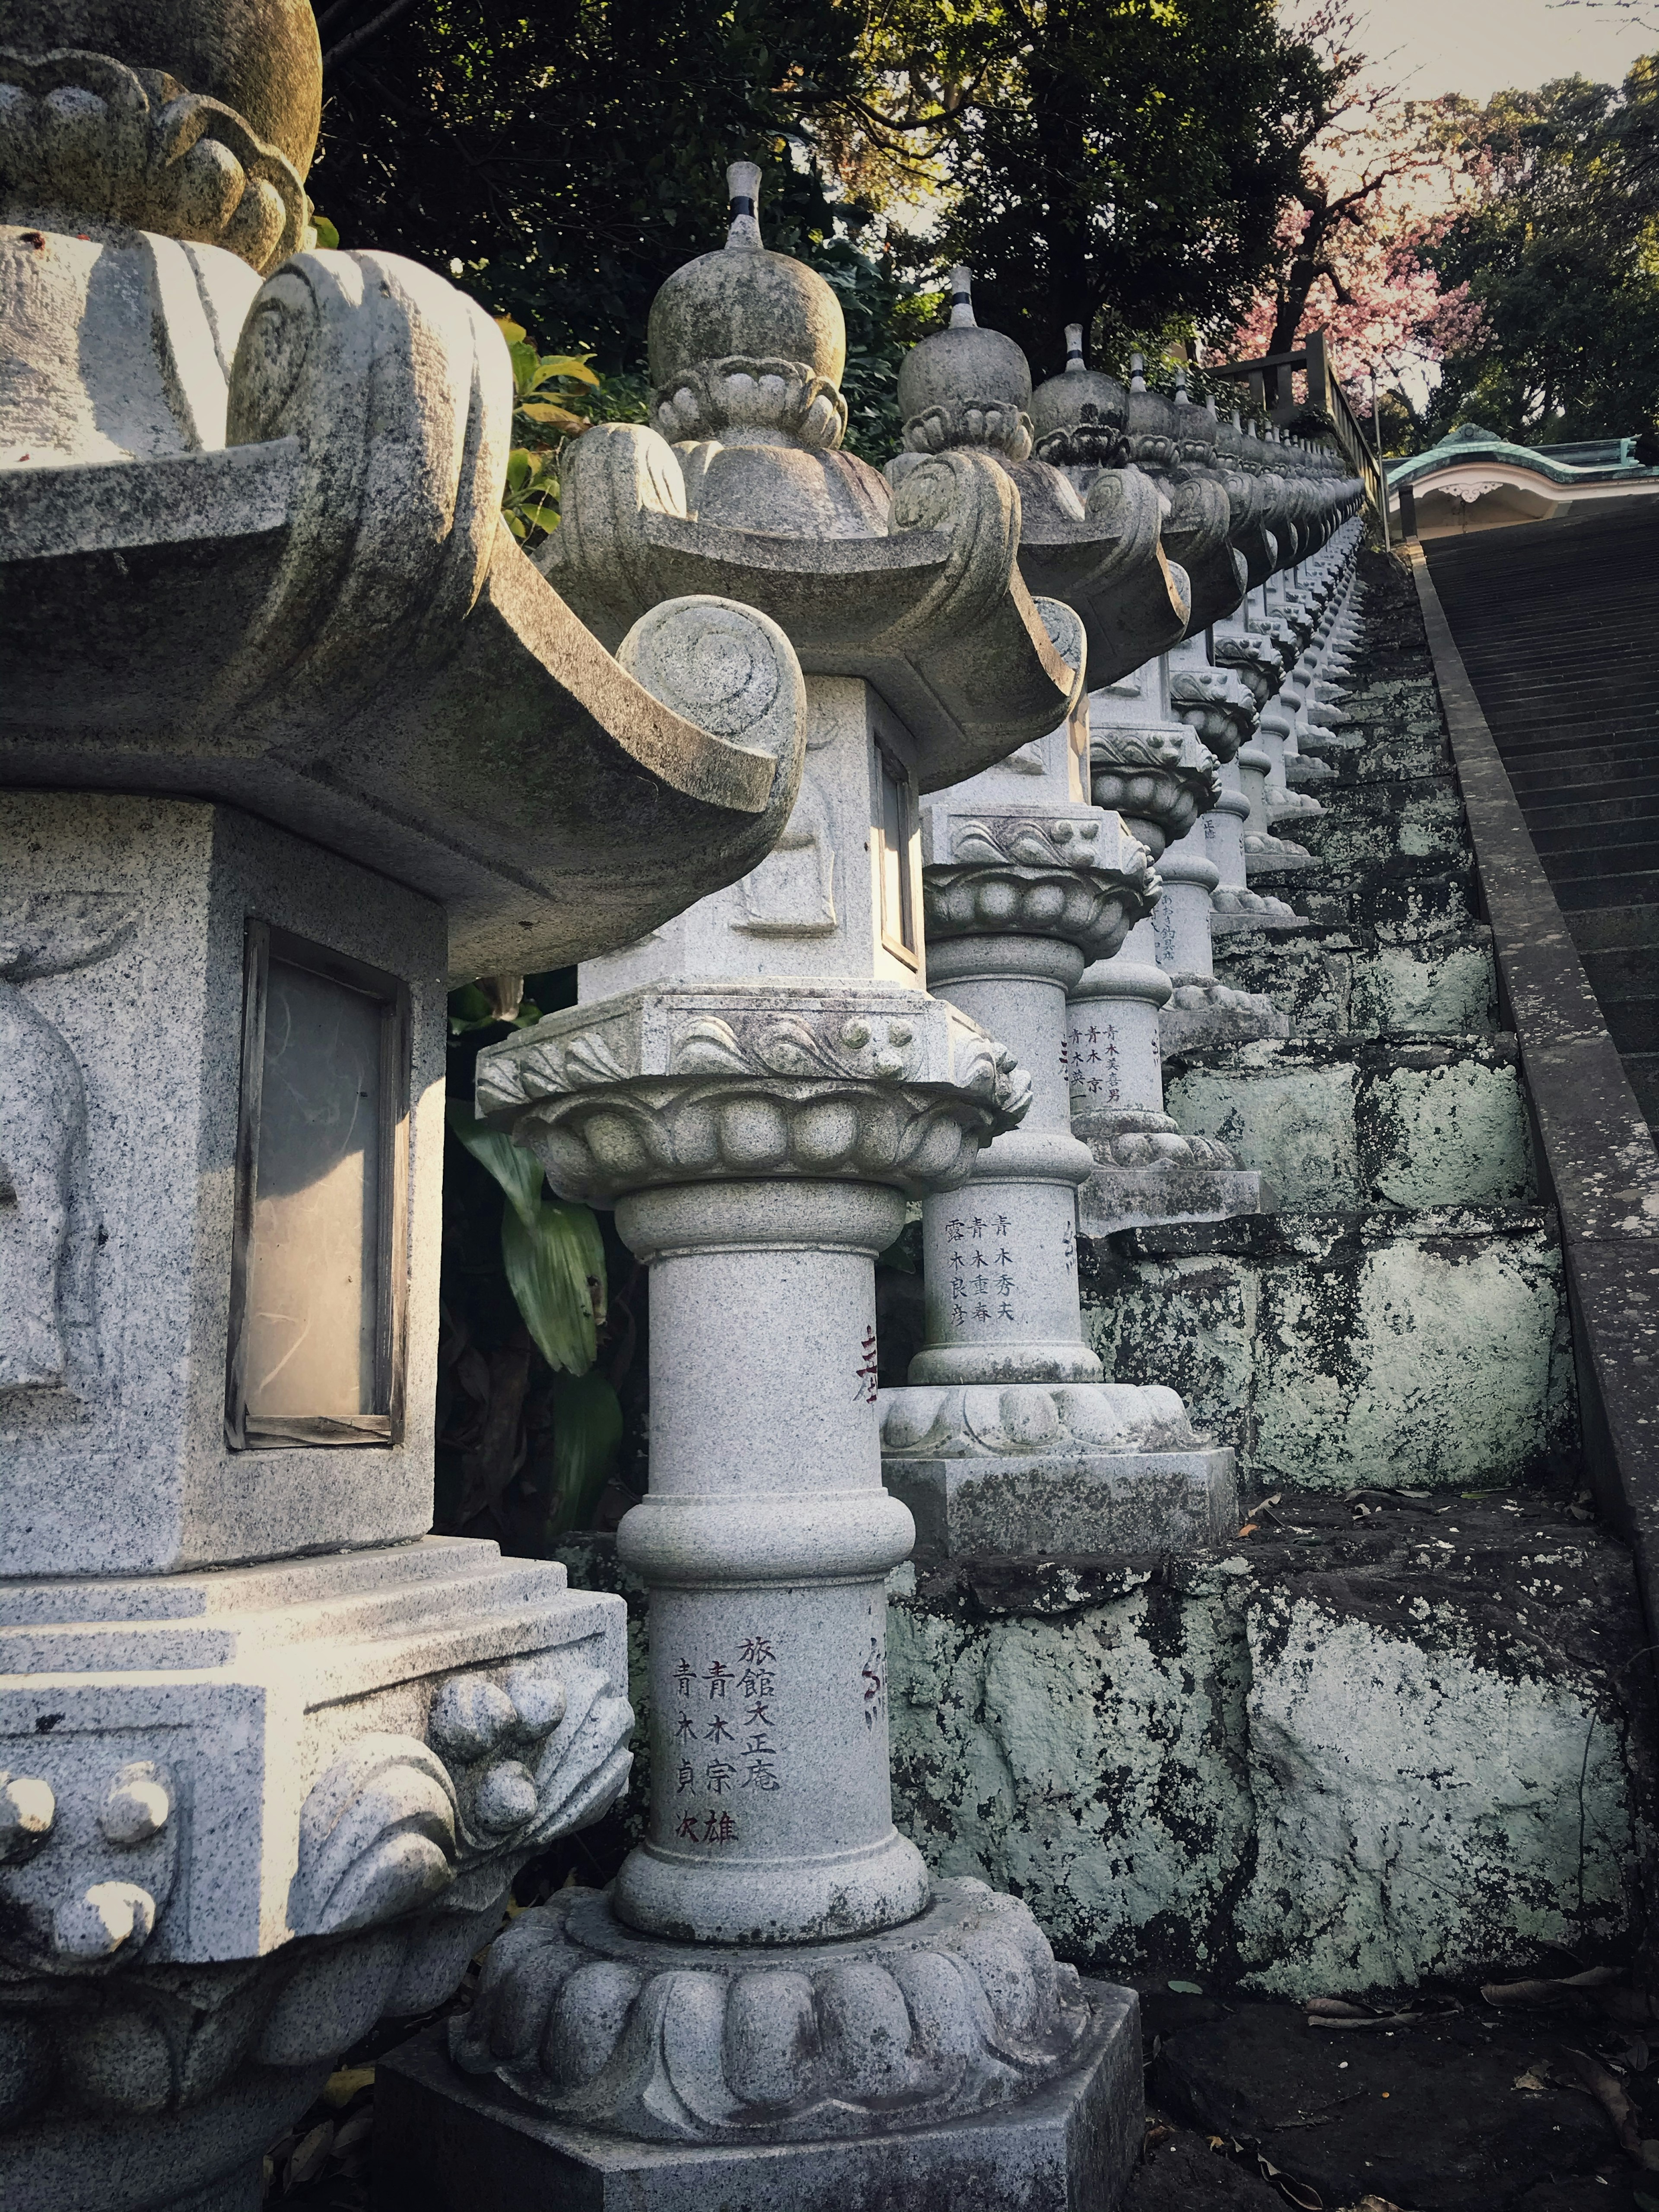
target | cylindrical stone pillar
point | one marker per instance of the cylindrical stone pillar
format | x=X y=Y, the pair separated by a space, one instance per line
x=766 y=1542
x=1001 y=1255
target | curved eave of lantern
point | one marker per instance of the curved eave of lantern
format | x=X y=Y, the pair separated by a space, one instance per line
x=1108 y=563
x=322 y=627
x=934 y=614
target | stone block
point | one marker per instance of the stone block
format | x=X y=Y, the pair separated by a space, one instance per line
x=1417 y=1809
x=446 y=2142
x=1326 y=1350
x=1439 y=987
x=1343 y=1122
x=1133 y=1198
x=127 y=929
x=1348 y=1755
x=1040 y=1505
x=279 y=1705
x=1290 y=1115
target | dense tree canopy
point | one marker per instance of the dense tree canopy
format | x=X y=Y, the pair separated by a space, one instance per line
x=1128 y=170
x=1119 y=159
x=1558 y=240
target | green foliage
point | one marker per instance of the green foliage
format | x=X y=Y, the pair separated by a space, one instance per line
x=1560 y=245
x=570 y=158
x=563 y=164
x=586 y=1437
x=553 y=1254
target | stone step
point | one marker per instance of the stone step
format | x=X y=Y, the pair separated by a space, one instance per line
x=1627 y=887
x=1359 y=1751
x=1633 y=1023
x=1636 y=800
x=1604 y=929
x=1627 y=971
x=1337 y=1122
x=1571 y=854
x=1335 y=982
x=1637 y=772
x=1327 y=1348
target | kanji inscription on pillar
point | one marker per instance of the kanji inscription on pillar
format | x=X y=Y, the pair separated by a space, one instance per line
x=724 y=1739
x=984 y=1281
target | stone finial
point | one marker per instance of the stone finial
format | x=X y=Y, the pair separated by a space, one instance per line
x=743 y=190
x=260 y=58
x=1150 y=419
x=745 y=345
x=965 y=386
x=1078 y=417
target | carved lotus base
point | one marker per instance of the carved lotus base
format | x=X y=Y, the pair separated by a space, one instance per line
x=1274 y=856
x=1320 y=741
x=1127 y=1140
x=729 y=1081
x=1094 y=908
x=1204 y=1014
x=1233 y=910
x=1167 y=795
x=1303 y=772
x=448 y=2142
x=977 y=1421
x=1284 y=805
x=960 y=2011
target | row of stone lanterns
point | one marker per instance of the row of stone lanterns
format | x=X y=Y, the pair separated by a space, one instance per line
x=763 y=722
x=775 y=1998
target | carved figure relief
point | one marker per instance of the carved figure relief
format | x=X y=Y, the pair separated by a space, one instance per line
x=792 y=892
x=43 y=1126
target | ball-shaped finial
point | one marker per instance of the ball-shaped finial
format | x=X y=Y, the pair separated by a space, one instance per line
x=1078 y=395
x=260 y=58
x=963 y=369
x=762 y=323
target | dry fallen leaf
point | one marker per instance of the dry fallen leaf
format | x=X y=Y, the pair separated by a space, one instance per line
x=354 y=2130
x=1555 y=1992
x=308 y=2159
x=1389 y=2019
x=342 y=2085
x=1336 y=2008
x=1529 y=2081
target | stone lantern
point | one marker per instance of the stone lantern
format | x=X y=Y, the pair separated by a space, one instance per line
x=1005 y=1438
x=291 y=734
x=1159 y=777
x=774 y=2002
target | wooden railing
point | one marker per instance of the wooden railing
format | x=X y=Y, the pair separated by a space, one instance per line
x=1276 y=398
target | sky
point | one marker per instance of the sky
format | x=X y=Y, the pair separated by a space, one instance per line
x=1481 y=47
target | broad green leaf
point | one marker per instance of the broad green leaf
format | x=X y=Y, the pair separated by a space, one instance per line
x=519 y=469
x=518 y=1172
x=511 y=331
x=568 y=364
x=326 y=233
x=587 y=1427
x=548 y=1269
x=525 y=361
x=547 y=411
x=516 y=526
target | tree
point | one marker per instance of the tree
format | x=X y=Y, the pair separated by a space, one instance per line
x=569 y=159
x=1120 y=163
x=1558 y=241
x=1350 y=257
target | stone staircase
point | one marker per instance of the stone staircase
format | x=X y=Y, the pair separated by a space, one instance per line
x=1563 y=655
x=1393 y=1734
